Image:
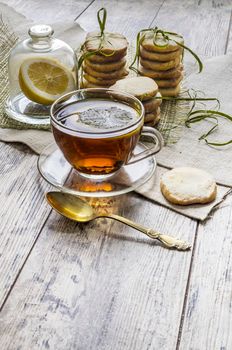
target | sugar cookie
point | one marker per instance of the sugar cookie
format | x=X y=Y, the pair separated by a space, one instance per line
x=113 y=43
x=100 y=81
x=149 y=117
x=152 y=104
x=116 y=74
x=168 y=74
x=149 y=45
x=98 y=58
x=106 y=67
x=141 y=87
x=187 y=185
x=168 y=83
x=172 y=92
x=160 y=66
x=86 y=84
x=160 y=56
x=154 y=122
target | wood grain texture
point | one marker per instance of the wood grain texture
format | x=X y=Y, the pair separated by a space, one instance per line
x=229 y=36
x=88 y=287
x=208 y=320
x=126 y=17
x=46 y=11
x=22 y=211
x=103 y=285
x=204 y=24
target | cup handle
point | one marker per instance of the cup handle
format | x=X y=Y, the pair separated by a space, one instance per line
x=158 y=141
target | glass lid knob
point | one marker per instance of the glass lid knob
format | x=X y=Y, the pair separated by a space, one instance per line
x=40 y=30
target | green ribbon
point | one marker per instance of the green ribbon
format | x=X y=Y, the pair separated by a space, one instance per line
x=200 y=115
x=102 y=22
x=156 y=32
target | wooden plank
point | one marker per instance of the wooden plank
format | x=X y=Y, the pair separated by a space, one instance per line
x=204 y=24
x=126 y=17
x=85 y=287
x=119 y=303
x=208 y=320
x=94 y=278
x=22 y=211
x=45 y=11
x=228 y=49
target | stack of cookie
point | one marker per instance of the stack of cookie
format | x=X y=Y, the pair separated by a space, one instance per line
x=162 y=62
x=146 y=90
x=104 y=59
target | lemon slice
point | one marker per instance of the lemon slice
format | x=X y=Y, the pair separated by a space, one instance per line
x=43 y=80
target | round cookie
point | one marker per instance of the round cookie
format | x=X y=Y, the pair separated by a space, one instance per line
x=152 y=104
x=117 y=74
x=98 y=58
x=148 y=42
x=141 y=87
x=149 y=117
x=168 y=74
x=187 y=185
x=85 y=84
x=154 y=122
x=160 y=66
x=112 y=43
x=160 y=56
x=168 y=83
x=106 y=67
x=172 y=92
x=99 y=82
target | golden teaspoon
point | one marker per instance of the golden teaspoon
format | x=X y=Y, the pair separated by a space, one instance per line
x=76 y=209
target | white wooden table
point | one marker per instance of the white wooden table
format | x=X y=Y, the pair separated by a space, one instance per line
x=102 y=285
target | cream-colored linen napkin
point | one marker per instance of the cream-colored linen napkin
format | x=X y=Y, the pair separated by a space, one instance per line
x=214 y=81
x=37 y=140
x=34 y=139
x=197 y=211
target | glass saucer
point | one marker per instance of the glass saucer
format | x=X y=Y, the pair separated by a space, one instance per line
x=54 y=168
x=25 y=111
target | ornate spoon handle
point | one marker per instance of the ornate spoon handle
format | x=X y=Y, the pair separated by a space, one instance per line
x=168 y=241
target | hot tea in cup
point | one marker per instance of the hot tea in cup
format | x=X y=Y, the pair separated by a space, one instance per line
x=97 y=130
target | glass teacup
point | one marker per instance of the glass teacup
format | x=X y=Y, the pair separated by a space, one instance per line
x=97 y=130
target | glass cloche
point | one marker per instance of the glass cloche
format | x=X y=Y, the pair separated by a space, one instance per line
x=41 y=69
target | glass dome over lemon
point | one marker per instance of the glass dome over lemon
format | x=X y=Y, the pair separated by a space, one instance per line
x=41 y=69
